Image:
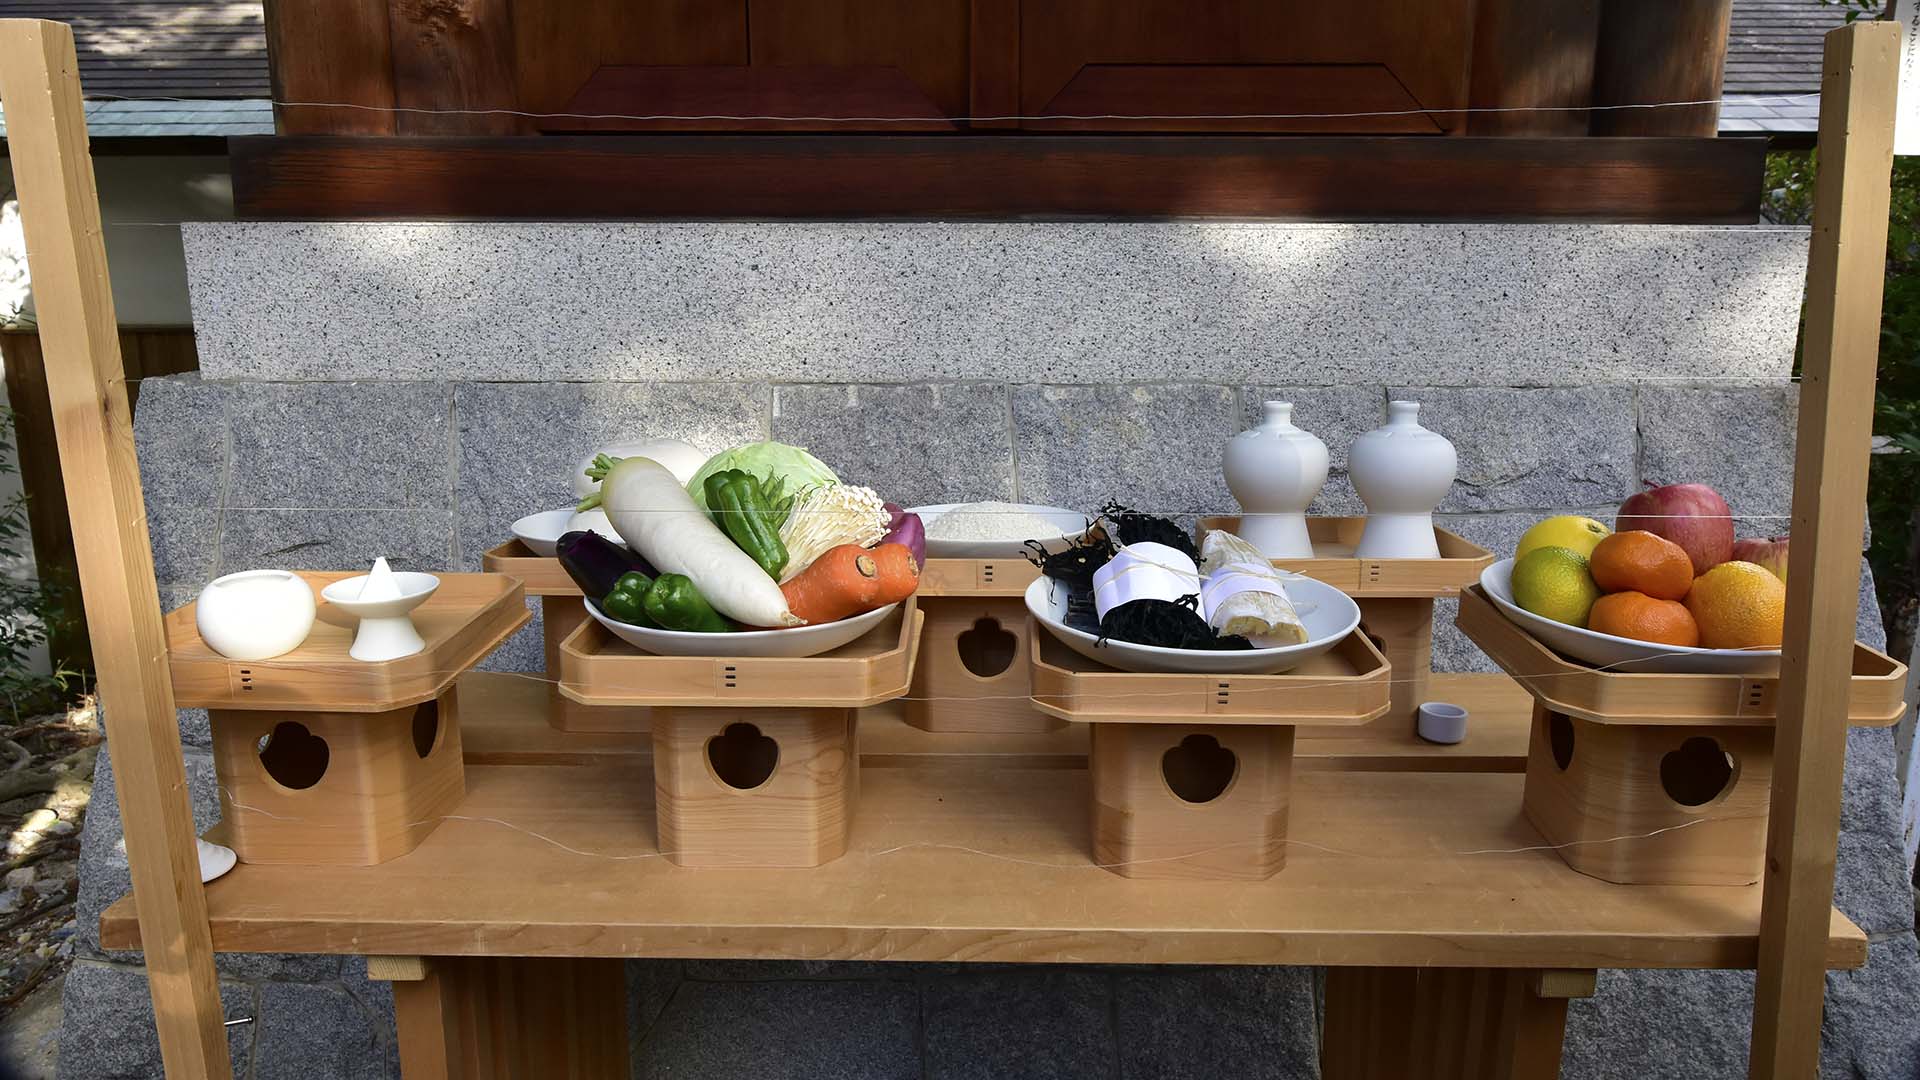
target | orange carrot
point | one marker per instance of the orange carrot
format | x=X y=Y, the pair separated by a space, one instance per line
x=842 y=582
x=899 y=574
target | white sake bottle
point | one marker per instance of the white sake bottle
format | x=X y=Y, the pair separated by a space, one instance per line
x=1401 y=471
x=1274 y=471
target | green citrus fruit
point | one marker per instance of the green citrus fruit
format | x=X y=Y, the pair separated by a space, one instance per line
x=1554 y=583
x=1576 y=534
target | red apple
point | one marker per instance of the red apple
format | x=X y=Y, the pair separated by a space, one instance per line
x=1771 y=554
x=1691 y=515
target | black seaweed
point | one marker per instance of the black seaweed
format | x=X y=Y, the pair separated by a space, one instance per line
x=1074 y=565
x=1138 y=528
x=1166 y=623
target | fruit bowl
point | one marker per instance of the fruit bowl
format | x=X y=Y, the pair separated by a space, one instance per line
x=792 y=642
x=1329 y=614
x=1618 y=653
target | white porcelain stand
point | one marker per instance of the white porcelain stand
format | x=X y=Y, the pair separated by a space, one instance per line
x=381 y=601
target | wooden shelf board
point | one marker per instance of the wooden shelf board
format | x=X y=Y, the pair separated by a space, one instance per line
x=501 y=723
x=914 y=885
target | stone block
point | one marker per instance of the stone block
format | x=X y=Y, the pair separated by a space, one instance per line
x=781 y=970
x=185 y=542
x=1154 y=448
x=1042 y=302
x=850 y=1030
x=104 y=877
x=107 y=1032
x=1868 y=1031
x=915 y=445
x=196 y=729
x=1548 y=449
x=365 y=445
x=336 y=539
x=309 y=1031
x=1661 y=1025
x=1870 y=884
x=519 y=442
x=180 y=435
x=1337 y=414
x=1056 y=1024
x=1248 y=1022
x=1739 y=440
x=651 y=985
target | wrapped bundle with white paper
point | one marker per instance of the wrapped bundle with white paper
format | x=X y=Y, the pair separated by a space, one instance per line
x=1243 y=594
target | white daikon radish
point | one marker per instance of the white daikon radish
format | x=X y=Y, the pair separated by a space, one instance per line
x=681 y=458
x=659 y=521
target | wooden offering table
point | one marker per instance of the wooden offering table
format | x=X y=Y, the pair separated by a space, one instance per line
x=972 y=674
x=562 y=611
x=551 y=872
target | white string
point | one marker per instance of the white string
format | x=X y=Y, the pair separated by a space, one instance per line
x=1002 y=118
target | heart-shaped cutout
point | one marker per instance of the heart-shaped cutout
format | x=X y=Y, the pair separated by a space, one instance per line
x=1699 y=772
x=987 y=648
x=426 y=727
x=293 y=756
x=742 y=757
x=1199 y=770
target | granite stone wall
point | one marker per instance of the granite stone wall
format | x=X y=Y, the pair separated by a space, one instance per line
x=409 y=390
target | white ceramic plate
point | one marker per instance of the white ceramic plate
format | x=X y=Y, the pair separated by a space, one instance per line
x=542 y=531
x=1068 y=522
x=793 y=642
x=1618 y=653
x=1328 y=613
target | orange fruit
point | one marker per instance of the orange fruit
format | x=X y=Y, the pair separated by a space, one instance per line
x=1739 y=605
x=1639 y=561
x=1644 y=618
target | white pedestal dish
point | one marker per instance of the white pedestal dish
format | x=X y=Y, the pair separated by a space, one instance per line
x=381 y=601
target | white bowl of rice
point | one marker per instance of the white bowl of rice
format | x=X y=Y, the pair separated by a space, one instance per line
x=996 y=530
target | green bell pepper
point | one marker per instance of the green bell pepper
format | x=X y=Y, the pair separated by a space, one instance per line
x=626 y=601
x=674 y=603
x=740 y=506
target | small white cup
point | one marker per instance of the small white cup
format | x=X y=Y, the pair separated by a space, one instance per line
x=1441 y=722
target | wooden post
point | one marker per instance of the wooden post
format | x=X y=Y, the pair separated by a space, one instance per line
x=47 y=139
x=1846 y=269
x=1660 y=50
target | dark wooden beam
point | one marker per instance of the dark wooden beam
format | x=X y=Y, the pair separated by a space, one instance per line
x=1014 y=176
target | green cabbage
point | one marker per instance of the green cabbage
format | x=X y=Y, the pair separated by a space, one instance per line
x=771 y=462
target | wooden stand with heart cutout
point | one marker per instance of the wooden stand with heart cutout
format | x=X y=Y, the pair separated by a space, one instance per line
x=324 y=759
x=1655 y=779
x=972 y=676
x=756 y=761
x=1192 y=774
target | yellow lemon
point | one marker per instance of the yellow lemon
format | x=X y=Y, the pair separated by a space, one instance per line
x=1577 y=534
x=1739 y=606
x=1554 y=583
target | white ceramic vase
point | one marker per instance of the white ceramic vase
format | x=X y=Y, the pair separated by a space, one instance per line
x=1401 y=471
x=1274 y=471
x=255 y=614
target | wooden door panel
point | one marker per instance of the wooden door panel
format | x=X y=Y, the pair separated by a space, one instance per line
x=1404 y=51
x=925 y=40
x=559 y=44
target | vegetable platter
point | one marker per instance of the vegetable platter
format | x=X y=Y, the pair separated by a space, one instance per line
x=760 y=550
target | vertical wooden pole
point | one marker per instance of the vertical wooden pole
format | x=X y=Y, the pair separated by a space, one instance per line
x=1846 y=269
x=47 y=139
x=1660 y=50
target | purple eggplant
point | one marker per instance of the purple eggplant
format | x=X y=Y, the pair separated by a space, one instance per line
x=905 y=528
x=596 y=563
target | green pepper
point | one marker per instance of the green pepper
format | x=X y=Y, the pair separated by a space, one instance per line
x=626 y=601
x=741 y=507
x=674 y=603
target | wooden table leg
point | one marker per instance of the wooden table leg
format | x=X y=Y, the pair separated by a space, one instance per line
x=508 y=1018
x=1446 y=1023
x=1403 y=629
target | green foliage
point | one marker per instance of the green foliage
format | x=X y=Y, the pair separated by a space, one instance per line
x=1894 y=480
x=27 y=609
x=1856 y=8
